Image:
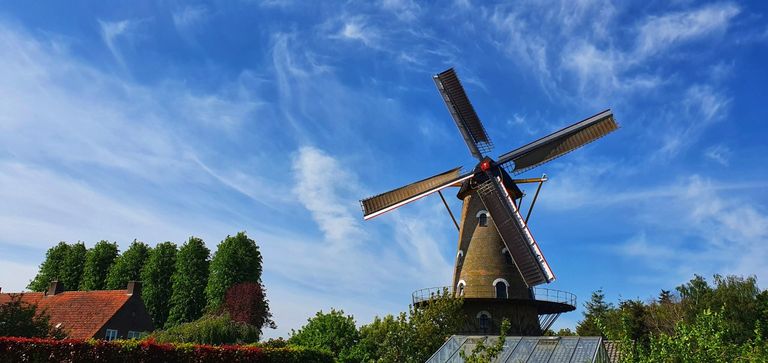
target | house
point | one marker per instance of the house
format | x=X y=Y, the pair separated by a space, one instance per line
x=99 y=314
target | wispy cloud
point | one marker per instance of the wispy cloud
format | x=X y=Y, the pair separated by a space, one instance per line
x=406 y=10
x=659 y=33
x=111 y=32
x=357 y=29
x=720 y=154
x=188 y=19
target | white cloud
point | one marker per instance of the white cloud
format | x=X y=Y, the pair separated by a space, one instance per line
x=719 y=153
x=701 y=106
x=406 y=10
x=659 y=33
x=323 y=186
x=110 y=34
x=188 y=19
x=189 y=16
x=357 y=28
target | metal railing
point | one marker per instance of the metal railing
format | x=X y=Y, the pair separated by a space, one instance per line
x=539 y=293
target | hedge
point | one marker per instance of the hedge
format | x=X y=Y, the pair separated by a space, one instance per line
x=14 y=349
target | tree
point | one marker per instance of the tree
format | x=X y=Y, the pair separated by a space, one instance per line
x=595 y=316
x=20 y=319
x=411 y=337
x=189 y=282
x=127 y=266
x=51 y=268
x=245 y=302
x=737 y=297
x=72 y=268
x=98 y=261
x=156 y=277
x=333 y=331
x=237 y=259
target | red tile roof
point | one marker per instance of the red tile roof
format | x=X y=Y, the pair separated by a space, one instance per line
x=81 y=313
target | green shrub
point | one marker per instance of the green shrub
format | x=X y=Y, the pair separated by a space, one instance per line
x=210 y=329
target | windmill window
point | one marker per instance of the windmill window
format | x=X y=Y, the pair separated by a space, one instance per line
x=484 y=321
x=460 y=258
x=501 y=286
x=460 y=288
x=507 y=256
x=482 y=218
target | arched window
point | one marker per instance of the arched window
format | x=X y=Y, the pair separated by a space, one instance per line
x=484 y=321
x=460 y=288
x=460 y=258
x=507 y=256
x=501 y=286
x=482 y=218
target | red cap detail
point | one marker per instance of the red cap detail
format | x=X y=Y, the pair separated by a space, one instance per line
x=485 y=165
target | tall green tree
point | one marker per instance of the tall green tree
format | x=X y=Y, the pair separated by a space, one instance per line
x=72 y=268
x=237 y=259
x=98 y=261
x=189 y=282
x=156 y=276
x=332 y=331
x=51 y=268
x=127 y=266
x=596 y=315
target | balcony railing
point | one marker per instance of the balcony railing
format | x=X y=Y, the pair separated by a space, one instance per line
x=539 y=293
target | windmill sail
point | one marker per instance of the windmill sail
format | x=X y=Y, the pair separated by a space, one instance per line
x=392 y=199
x=463 y=113
x=561 y=142
x=514 y=232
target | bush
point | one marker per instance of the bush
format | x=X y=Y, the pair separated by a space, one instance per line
x=18 y=318
x=210 y=329
x=128 y=351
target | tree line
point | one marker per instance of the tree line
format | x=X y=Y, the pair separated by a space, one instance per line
x=179 y=284
x=697 y=322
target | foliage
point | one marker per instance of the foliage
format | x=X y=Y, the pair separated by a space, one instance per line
x=486 y=354
x=72 y=268
x=595 y=316
x=45 y=350
x=701 y=323
x=98 y=261
x=245 y=302
x=737 y=297
x=127 y=266
x=704 y=340
x=332 y=331
x=237 y=259
x=51 y=268
x=413 y=337
x=210 y=329
x=189 y=282
x=157 y=285
x=20 y=319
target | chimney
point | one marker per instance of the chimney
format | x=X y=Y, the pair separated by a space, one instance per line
x=134 y=288
x=55 y=287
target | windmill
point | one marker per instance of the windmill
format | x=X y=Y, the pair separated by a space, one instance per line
x=498 y=263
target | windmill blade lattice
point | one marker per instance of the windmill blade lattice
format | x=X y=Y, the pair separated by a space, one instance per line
x=514 y=232
x=560 y=143
x=463 y=113
x=385 y=202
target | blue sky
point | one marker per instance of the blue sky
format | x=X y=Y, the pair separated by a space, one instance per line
x=161 y=120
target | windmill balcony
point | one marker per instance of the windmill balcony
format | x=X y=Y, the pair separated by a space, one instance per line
x=538 y=293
